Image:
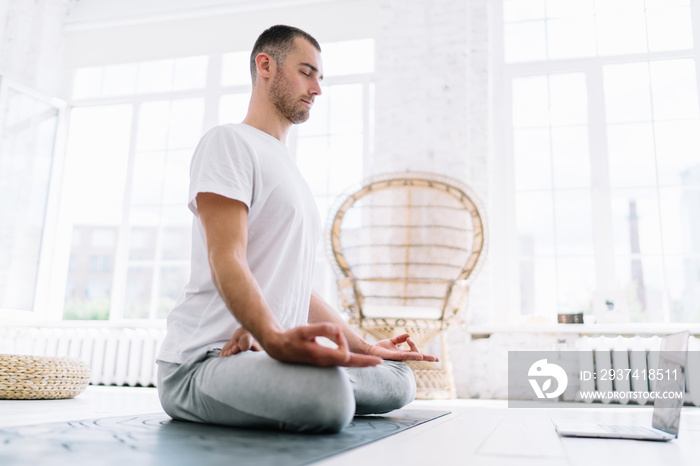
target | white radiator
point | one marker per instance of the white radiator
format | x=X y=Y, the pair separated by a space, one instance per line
x=634 y=353
x=116 y=355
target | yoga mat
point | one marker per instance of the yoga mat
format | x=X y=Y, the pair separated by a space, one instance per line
x=155 y=439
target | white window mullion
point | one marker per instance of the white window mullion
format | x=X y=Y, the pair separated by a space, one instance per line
x=666 y=304
x=604 y=251
x=508 y=257
x=367 y=143
x=213 y=93
x=54 y=261
x=695 y=18
x=155 y=283
x=554 y=192
x=121 y=254
x=503 y=238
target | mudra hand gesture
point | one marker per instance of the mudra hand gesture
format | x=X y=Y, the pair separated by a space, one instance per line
x=389 y=349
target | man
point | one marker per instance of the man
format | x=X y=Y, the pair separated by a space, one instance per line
x=253 y=253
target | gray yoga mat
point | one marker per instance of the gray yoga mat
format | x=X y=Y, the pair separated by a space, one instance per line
x=155 y=439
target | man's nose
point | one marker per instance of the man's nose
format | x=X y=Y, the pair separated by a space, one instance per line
x=316 y=88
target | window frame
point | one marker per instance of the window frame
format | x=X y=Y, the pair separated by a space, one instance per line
x=507 y=296
x=44 y=288
x=211 y=93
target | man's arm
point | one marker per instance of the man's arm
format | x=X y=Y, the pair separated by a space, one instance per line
x=321 y=311
x=225 y=223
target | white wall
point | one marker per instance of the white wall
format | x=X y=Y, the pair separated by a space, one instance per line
x=432 y=111
x=32 y=43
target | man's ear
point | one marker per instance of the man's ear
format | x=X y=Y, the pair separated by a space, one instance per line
x=265 y=65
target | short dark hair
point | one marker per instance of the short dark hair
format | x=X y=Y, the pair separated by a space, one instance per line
x=277 y=42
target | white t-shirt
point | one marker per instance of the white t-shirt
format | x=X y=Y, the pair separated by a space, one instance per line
x=246 y=164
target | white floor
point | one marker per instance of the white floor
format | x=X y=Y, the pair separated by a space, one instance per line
x=487 y=432
x=484 y=432
x=94 y=402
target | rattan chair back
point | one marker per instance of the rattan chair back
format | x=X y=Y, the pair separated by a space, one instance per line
x=407 y=240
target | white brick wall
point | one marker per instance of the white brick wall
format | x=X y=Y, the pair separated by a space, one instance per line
x=32 y=44
x=432 y=111
x=483 y=372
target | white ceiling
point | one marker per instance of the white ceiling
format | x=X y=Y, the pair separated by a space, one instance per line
x=103 y=32
x=89 y=14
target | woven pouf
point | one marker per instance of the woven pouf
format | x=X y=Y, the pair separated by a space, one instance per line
x=41 y=378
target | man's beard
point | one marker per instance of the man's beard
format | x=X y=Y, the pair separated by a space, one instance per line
x=285 y=103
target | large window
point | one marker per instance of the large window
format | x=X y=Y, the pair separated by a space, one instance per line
x=29 y=124
x=603 y=158
x=133 y=130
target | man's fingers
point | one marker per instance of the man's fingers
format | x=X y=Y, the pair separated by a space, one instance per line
x=409 y=356
x=226 y=350
x=341 y=342
x=335 y=334
x=245 y=342
x=330 y=331
x=340 y=356
x=406 y=338
x=397 y=340
x=229 y=350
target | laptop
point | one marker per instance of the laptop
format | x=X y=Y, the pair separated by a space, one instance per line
x=667 y=411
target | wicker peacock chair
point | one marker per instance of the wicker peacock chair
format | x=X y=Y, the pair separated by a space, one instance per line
x=406 y=246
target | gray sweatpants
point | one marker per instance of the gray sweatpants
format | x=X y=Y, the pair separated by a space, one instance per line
x=251 y=389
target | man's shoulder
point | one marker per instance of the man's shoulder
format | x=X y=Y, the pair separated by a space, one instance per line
x=227 y=130
x=238 y=140
x=229 y=136
x=239 y=132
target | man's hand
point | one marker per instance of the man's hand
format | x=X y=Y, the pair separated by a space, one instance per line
x=299 y=345
x=388 y=349
x=241 y=341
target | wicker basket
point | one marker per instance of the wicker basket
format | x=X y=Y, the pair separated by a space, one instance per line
x=41 y=378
